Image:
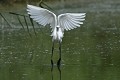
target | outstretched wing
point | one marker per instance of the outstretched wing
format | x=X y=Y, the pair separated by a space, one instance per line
x=70 y=21
x=41 y=15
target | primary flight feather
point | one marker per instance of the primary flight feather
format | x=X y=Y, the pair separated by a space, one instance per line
x=66 y=21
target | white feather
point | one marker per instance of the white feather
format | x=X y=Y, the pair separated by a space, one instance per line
x=70 y=21
x=65 y=21
x=41 y=15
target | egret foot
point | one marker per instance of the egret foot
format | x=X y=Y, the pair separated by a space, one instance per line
x=52 y=65
x=59 y=62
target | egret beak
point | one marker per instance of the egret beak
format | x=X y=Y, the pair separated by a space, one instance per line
x=57 y=28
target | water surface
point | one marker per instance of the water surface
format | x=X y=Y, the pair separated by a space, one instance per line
x=90 y=52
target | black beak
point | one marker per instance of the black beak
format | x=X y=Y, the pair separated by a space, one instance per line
x=57 y=28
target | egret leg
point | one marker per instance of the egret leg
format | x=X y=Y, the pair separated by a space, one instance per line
x=52 y=56
x=59 y=61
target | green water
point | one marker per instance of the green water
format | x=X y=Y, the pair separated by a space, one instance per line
x=91 y=52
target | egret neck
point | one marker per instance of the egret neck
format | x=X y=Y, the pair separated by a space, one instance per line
x=57 y=34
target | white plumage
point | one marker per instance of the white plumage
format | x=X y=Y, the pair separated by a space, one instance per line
x=66 y=21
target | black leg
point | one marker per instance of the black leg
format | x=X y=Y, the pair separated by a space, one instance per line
x=59 y=61
x=60 y=49
x=51 y=65
x=52 y=56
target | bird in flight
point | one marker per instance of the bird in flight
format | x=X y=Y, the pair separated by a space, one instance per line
x=58 y=24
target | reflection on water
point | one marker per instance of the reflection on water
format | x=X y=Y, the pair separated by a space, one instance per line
x=91 y=52
x=86 y=55
x=59 y=73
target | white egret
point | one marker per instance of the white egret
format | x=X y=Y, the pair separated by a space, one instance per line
x=66 y=21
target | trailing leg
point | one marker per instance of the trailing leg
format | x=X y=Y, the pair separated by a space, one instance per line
x=59 y=60
x=52 y=56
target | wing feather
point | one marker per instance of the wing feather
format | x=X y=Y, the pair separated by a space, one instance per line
x=71 y=24
x=70 y=21
x=41 y=15
x=67 y=26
